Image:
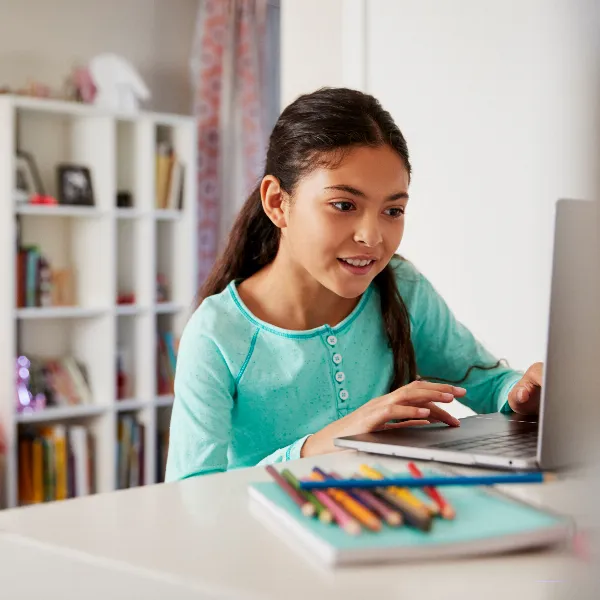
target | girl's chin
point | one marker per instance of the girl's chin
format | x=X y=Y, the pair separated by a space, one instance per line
x=351 y=290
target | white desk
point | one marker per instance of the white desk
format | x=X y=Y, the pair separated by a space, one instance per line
x=198 y=535
x=32 y=571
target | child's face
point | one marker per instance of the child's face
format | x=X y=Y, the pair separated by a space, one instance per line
x=353 y=212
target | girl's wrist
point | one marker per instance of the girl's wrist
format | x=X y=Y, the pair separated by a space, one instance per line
x=318 y=443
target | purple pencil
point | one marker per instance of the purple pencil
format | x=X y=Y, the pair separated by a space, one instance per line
x=391 y=517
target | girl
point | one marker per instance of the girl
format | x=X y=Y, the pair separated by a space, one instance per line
x=309 y=326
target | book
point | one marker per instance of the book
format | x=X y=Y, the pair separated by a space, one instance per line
x=54 y=463
x=487 y=522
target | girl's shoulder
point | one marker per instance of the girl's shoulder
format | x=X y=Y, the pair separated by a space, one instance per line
x=217 y=325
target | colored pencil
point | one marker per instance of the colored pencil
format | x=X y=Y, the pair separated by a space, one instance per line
x=418 y=493
x=363 y=515
x=308 y=510
x=446 y=510
x=414 y=512
x=436 y=481
x=417 y=517
x=400 y=492
x=391 y=516
x=344 y=520
x=322 y=513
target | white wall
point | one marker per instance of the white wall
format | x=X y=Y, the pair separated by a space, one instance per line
x=42 y=40
x=496 y=100
x=311 y=42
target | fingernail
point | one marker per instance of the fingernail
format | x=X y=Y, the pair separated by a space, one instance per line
x=422 y=412
x=447 y=396
x=456 y=422
x=521 y=395
x=459 y=390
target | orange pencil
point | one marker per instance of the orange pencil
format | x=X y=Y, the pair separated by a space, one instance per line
x=356 y=509
x=446 y=510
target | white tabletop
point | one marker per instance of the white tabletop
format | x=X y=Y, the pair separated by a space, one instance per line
x=30 y=571
x=199 y=535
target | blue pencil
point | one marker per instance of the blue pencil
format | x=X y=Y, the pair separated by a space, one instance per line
x=438 y=481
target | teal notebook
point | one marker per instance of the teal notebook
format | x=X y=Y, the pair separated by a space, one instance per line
x=486 y=523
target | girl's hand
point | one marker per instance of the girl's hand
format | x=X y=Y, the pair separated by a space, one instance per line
x=412 y=403
x=524 y=398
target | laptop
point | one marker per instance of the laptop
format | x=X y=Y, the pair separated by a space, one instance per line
x=561 y=435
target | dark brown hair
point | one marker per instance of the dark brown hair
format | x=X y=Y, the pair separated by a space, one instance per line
x=318 y=130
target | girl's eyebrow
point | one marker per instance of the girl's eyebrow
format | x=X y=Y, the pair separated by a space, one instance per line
x=356 y=192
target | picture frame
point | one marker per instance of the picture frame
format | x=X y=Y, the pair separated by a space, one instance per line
x=74 y=185
x=28 y=182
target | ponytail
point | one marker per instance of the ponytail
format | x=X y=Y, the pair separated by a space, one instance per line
x=252 y=244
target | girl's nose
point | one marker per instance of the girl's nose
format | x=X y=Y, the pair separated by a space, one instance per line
x=368 y=232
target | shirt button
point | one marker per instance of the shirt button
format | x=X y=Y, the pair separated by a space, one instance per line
x=340 y=376
x=337 y=358
x=344 y=395
x=332 y=340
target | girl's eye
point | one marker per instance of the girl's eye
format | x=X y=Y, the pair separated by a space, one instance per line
x=343 y=206
x=395 y=213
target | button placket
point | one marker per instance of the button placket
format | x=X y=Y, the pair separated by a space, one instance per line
x=339 y=375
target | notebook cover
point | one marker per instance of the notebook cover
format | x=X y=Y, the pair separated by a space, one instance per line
x=486 y=523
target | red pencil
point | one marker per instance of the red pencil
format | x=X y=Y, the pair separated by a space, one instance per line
x=446 y=510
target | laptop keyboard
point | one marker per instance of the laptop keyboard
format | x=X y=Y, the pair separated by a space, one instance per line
x=507 y=444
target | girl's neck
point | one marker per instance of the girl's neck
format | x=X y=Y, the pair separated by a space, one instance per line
x=286 y=296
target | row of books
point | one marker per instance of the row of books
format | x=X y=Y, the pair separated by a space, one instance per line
x=169 y=178
x=38 y=284
x=55 y=463
x=166 y=359
x=130 y=452
x=47 y=382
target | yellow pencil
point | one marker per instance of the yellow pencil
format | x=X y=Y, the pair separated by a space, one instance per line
x=353 y=507
x=417 y=493
x=415 y=512
x=401 y=493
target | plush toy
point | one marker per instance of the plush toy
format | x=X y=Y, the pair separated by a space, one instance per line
x=118 y=85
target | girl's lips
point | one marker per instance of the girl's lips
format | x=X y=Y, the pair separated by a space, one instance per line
x=356 y=270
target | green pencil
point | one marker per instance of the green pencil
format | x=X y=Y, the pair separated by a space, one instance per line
x=324 y=515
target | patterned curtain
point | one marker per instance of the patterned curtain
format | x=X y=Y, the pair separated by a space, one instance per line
x=227 y=66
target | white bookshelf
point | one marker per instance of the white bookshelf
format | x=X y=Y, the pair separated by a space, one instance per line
x=110 y=249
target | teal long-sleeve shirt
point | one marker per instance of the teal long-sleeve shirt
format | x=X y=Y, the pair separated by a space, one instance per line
x=249 y=393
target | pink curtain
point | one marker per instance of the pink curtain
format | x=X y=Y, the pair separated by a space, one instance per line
x=227 y=66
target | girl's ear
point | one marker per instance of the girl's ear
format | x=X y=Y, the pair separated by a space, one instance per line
x=274 y=201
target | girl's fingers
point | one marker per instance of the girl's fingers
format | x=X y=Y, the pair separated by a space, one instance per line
x=458 y=392
x=439 y=414
x=409 y=423
x=395 y=412
x=409 y=395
